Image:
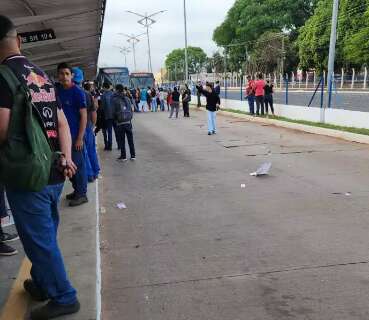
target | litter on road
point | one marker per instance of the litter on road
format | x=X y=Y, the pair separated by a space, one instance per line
x=121 y=206
x=262 y=170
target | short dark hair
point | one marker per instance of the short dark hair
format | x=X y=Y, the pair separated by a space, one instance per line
x=6 y=25
x=119 y=88
x=64 y=65
x=106 y=85
x=87 y=86
x=217 y=82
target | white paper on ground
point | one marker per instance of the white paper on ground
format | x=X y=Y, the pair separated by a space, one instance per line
x=262 y=170
x=121 y=206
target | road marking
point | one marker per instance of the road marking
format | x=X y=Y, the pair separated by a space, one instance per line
x=17 y=304
x=98 y=256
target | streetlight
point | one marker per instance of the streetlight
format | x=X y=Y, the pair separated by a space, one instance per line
x=147 y=21
x=185 y=27
x=133 y=40
x=124 y=51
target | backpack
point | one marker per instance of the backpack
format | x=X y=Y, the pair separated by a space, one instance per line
x=125 y=113
x=26 y=156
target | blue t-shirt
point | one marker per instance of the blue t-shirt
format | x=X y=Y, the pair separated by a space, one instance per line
x=72 y=101
x=143 y=95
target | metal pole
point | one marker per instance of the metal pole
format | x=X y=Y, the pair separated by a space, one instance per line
x=186 y=51
x=332 y=51
x=134 y=54
x=225 y=73
x=283 y=56
x=148 y=45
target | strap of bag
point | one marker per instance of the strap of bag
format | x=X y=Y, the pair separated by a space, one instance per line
x=10 y=79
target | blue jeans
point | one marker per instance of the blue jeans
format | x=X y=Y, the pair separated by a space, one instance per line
x=212 y=118
x=36 y=218
x=154 y=105
x=108 y=134
x=79 y=180
x=251 y=101
x=92 y=161
x=3 y=211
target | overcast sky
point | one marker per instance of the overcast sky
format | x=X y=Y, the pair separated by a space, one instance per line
x=203 y=16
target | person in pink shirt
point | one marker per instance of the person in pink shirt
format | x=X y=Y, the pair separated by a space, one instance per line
x=259 y=94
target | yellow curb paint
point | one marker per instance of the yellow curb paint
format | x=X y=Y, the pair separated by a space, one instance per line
x=17 y=304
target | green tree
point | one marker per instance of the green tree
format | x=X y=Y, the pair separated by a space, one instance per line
x=248 y=20
x=352 y=31
x=175 y=61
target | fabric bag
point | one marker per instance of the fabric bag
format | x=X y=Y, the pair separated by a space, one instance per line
x=26 y=156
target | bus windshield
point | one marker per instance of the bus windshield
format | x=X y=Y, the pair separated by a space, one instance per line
x=114 y=76
x=142 y=80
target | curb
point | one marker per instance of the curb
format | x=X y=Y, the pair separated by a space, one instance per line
x=348 y=136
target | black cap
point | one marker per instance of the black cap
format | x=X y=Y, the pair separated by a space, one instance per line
x=6 y=25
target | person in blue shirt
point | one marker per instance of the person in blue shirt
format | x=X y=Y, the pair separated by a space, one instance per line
x=73 y=102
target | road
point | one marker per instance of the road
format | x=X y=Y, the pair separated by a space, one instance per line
x=358 y=101
x=193 y=245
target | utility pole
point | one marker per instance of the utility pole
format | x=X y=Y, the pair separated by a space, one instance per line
x=186 y=51
x=147 y=22
x=132 y=39
x=332 y=53
x=124 y=51
x=225 y=72
x=283 y=57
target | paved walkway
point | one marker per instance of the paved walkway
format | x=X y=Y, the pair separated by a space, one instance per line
x=193 y=244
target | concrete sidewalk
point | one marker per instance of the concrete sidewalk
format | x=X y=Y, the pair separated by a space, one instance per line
x=77 y=238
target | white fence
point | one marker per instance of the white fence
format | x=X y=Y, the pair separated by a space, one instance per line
x=346 y=79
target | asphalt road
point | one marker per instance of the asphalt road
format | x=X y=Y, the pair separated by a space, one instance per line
x=342 y=100
x=193 y=245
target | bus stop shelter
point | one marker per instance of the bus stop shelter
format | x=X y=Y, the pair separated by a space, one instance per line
x=55 y=31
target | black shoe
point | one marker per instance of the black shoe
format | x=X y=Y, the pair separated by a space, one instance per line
x=124 y=159
x=53 y=310
x=209 y=133
x=77 y=201
x=71 y=196
x=214 y=132
x=35 y=292
x=6 y=250
x=7 y=237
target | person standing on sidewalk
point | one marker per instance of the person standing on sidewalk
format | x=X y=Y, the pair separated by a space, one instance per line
x=108 y=114
x=212 y=106
x=217 y=87
x=169 y=99
x=73 y=101
x=175 y=103
x=123 y=115
x=5 y=238
x=36 y=213
x=268 y=97
x=259 y=94
x=250 y=94
x=198 y=94
x=92 y=160
x=186 y=98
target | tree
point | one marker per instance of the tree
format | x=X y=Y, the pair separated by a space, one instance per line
x=352 y=35
x=175 y=61
x=248 y=20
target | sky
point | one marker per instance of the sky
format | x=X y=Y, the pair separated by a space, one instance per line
x=203 y=16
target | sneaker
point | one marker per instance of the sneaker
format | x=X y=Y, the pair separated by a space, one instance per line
x=214 y=132
x=7 y=237
x=122 y=159
x=53 y=310
x=71 y=196
x=34 y=291
x=209 y=133
x=78 y=201
x=133 y=159
x=6 y=250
